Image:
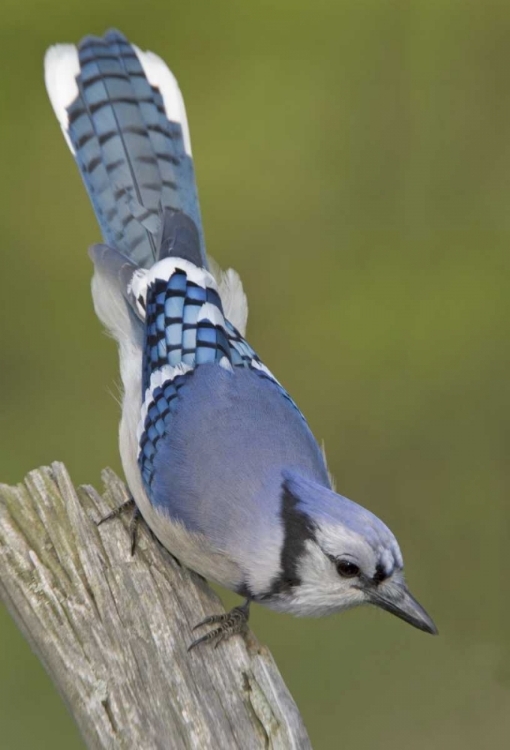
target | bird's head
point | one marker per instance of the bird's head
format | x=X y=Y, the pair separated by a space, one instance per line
x=337 y=555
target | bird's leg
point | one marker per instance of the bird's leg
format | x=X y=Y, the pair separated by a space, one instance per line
x=133 y=528
x=228 y=624
x=133 y=523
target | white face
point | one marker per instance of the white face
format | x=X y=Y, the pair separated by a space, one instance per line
x=337 y=571
x=342 y=556
x=340 y=569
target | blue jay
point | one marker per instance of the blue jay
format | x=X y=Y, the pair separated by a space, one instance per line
x=219 y=460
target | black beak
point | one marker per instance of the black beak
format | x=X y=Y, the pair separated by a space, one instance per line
x=397 y=600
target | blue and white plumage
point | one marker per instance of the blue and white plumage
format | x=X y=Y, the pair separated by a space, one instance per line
x=219 y=459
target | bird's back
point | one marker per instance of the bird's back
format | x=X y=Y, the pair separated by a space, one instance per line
x=219 y=467
x=217 y=430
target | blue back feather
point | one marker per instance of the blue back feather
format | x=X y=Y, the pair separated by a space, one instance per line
x=181 y=331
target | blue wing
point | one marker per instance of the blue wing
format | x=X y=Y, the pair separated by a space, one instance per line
x=184 y=329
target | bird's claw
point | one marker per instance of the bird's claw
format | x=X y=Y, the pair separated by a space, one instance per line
x=229 y=624
x=212 y=619
x=133 y=523
x=117 y=511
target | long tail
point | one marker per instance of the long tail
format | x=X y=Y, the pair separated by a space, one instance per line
x=123 y=117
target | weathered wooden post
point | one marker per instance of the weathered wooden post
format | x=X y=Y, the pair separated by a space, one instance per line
x=112 y=629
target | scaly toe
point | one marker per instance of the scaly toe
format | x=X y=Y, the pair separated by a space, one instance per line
x=211 y=620
x=116 y=512
x=229 y=623
x=210 y=636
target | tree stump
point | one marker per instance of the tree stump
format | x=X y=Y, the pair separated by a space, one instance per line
x=112 y=629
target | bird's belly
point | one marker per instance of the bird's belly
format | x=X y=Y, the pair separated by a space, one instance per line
x=193 y=549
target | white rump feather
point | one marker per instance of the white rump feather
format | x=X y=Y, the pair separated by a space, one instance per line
x=233 y=298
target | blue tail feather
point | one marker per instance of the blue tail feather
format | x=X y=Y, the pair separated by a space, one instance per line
x=132 y=158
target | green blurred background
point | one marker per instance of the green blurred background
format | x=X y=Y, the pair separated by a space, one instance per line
x=353 y=159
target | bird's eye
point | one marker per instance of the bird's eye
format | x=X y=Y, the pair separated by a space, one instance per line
x=347 y=569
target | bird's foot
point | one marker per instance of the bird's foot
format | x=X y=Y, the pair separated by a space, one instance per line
x=133 y=523
x=228 y=624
